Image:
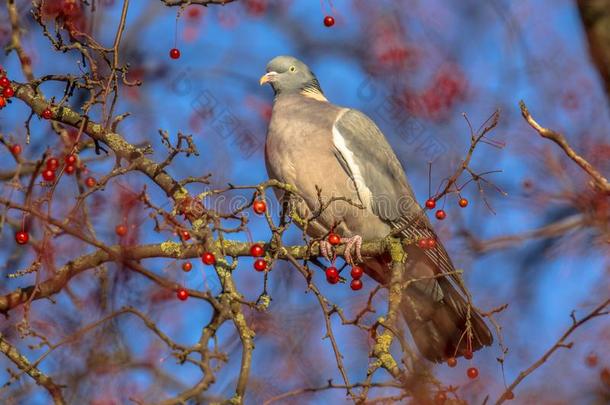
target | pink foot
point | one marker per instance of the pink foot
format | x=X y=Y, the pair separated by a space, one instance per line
x=353 y=247
x=326 y=249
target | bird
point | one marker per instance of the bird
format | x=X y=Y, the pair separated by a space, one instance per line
x=339 y=155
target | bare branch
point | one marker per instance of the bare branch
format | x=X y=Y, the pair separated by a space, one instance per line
x=599 y=181
x=600 y=310
x=23 y=363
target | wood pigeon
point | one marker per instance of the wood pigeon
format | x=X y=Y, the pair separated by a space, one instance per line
x=315 y=145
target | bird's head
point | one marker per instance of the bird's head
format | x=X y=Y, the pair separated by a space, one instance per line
x=287 y=74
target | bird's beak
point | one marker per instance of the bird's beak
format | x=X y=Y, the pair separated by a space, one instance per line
x=266 y=78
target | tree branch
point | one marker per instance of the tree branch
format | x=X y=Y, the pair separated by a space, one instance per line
x=600 y=181
x=24 y=364
x=598 y=311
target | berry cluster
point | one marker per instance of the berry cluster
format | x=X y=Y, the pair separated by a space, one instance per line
x=7 y=90
x=332 y=273
x=70 y=167
x=427 y=243
x=356 y=274
x=48 y=174
x=332 y=276
x=471 y=372
x=258 y=251
x=441 y=214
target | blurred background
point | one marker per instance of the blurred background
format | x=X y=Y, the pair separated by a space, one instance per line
x=535 y=238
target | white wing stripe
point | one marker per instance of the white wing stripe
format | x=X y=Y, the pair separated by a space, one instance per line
x=363 y=191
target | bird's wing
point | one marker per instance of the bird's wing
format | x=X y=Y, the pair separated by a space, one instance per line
x=369 y=160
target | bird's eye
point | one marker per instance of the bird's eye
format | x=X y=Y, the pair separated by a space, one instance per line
x=292 y=69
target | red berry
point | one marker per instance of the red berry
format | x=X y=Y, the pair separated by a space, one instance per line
x=591 y=360
x=440 y=398
x=193 y=12
x=4 y=81
x=22 y=237
x=48 y=175
x=2 y=102
x=427 y=243
x=430 y=203
x=47 y=114
x=8 y=92
x=121 y=230
x=70 y=159
x=16 y=149
x=356 y=284
x=257 y=250
x=260 y=264
x=604 y=375
x=357 y=272
x=259 y=206
x=182 y=294
x=472 y=373
x=332 y=275
x=329 y=21
x=174 y=53
x=208 y=258
x=70 y=169
x=452 y=362
x=463 y=202
x=334 y=239
x=331 y=271
x=441 y=214
x=509 y=395
x=90 y=182
x=468 y=354
x=52 y=164
x=185 y=235
x=187 y=266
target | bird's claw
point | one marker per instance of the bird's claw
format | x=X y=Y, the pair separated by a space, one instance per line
x=353 y=247
x=326 y=249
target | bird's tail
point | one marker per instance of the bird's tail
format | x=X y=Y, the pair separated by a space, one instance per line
x=443 y=329
x=441 y=322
